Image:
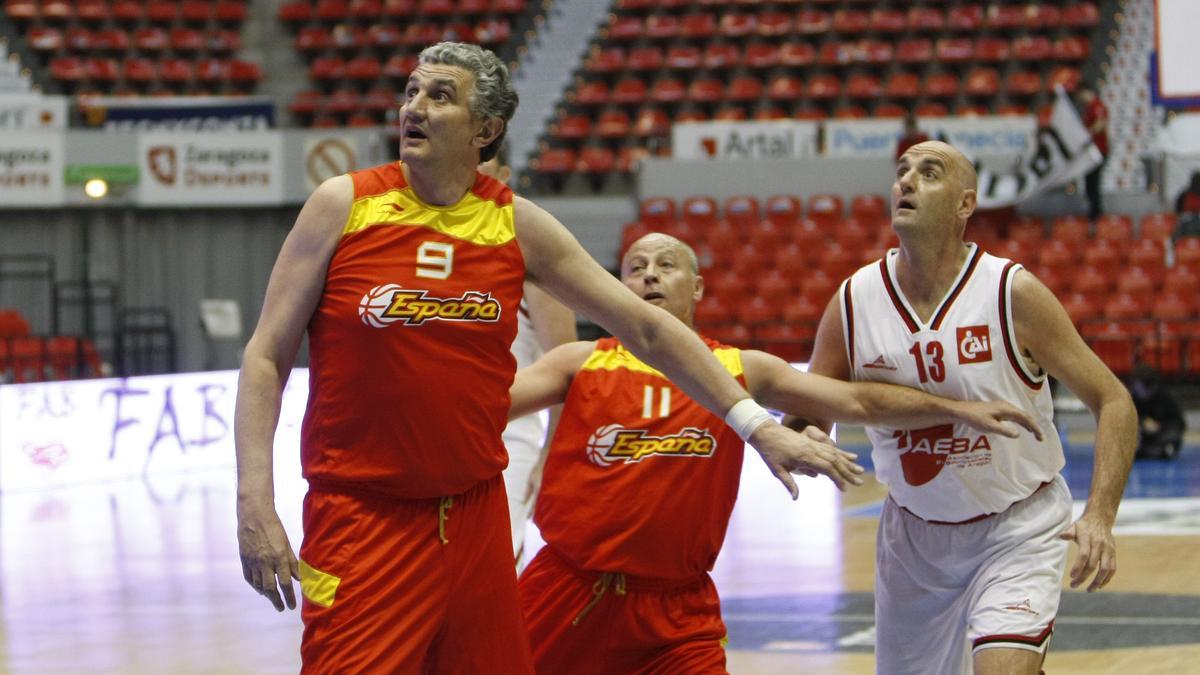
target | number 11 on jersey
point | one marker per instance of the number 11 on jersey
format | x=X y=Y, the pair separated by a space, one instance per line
x=664 y=401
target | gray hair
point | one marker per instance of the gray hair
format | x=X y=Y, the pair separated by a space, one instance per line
x=493 y=96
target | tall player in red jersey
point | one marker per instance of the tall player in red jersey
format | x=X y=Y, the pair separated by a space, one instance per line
x=407 y=277
x=971 y=553
x=640 y=482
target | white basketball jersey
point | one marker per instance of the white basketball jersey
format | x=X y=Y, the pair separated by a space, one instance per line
x=966 y=351
x=526 y=349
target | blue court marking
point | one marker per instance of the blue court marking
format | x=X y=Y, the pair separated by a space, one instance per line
x=845 y=622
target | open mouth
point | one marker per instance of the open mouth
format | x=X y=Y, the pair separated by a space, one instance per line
x=905 y=204
x=415 y=133
x=653 y=296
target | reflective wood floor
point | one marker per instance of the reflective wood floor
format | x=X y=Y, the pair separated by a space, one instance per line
x=143 y=577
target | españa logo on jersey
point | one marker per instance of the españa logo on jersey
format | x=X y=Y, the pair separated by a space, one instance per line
x=974 y=344
x=613 y=443
x=392 y=303
x=925 y=451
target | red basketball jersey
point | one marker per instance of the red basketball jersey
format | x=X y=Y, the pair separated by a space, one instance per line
x=409 y=345
x=640 y=478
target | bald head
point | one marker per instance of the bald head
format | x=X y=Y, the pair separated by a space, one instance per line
x=656 y=241
x=956 y=163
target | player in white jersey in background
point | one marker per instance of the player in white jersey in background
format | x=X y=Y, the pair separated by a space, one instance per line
x=972 y=541
x=542 y=324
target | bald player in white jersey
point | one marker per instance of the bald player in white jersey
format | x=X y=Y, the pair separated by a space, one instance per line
x=972 y=540
x=543 y=323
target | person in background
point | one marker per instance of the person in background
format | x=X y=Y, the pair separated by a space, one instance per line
x=1187 y=207
x=543 y=323
x=1095 y=118
x=912 y=134
x=1160 y=419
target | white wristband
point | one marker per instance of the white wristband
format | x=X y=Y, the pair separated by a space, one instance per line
x=745 y=417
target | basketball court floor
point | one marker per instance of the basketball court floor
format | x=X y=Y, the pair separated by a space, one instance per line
x=142 y=576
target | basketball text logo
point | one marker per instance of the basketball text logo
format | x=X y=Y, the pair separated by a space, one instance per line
x=925 y=451
x=974 y=344
x=391 y=303
x=613 y=443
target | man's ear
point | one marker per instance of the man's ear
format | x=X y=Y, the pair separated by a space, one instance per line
x=966 y=207
x=489 y=131
x=698 y=291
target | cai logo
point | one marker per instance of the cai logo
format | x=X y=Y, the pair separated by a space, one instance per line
x=164 y=165
x=974 y=344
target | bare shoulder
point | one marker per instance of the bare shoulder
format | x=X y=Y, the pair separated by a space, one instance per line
x=568 y=357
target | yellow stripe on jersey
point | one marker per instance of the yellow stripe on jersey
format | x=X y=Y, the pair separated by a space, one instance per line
x=319 y=587
x=476 y=220
x=614 y=359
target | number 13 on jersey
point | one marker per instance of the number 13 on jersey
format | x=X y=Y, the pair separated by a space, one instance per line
x=931 y=364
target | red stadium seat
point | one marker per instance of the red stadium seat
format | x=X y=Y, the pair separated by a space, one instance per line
x=1115 y=228
x=657 y=211
x=774 y=23
x=651 y=121
x=760 y=55
x=741 y=211
x=991 y=49
x=1081 y=308
x=982 y=81
x=824 y=86
x=706 y=90
x=644 y=58
x=1187 y=251
x=698 y=26
x=1023 y=83
x=613 y=124
x=916 y=50
x=1181 y=280
x=629 y=89
x=736 y=25
x=46 y=38
x=683 y=57
x=941 y=85
x=662 y=27
x=783 y=210
x=1068 y=76
x=1005 y=17
x=605 y=60
x=1059 y=254
x=668 y=89
x=1080 y=15
x=555 y=161
x=597 y=160
x=1071 y=229
x=743 y=88
x=788 y=341
x=797 y=54
x=964 y=18
x=589 y=93
x=1093 y=283
x=1071 y=48
x=1157 y=226
x=851 y=21
x=826 y=209
x=926 y=19
x=813 y=22
x=1103 y=254
x=864 y=85
x=699 y=212
x=1032 y=48
x=955 y=50
x=721 y=55
x=1137 y=281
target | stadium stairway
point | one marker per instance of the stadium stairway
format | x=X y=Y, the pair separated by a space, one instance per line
x=546 y=71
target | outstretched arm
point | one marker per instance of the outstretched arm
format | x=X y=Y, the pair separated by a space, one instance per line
x=560 y=265
x=1045 y=333
x=545 y=382
x=777 y=384
x=268 y=563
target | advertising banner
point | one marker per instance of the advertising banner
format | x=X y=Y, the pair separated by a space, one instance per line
x=87 y=431
x=179 y=113
x=862 y=138
x=31 y=169
x=210 y=168
x=771 y=139
x=25 y=112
